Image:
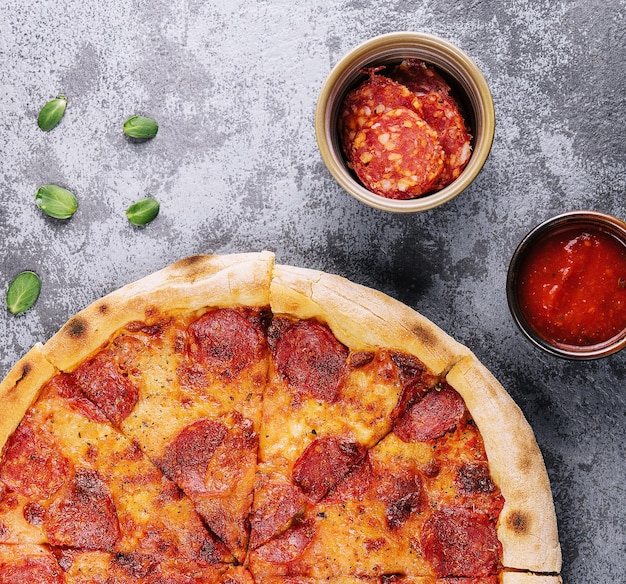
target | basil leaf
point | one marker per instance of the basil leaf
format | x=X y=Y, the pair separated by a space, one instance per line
x=142 y=212
x=140 y=127
x=23 y=292
x=51 y=113
x=56 y=201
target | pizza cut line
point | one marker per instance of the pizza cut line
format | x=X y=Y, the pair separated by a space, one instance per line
x=231 y=420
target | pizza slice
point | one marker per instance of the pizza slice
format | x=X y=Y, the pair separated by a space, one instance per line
x=527 y=525
x=433 y=499
x=73 y=482
x=334 y=388
x=178 y=362
x=426 y=479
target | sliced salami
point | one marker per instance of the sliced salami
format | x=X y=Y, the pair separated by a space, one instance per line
x=460 y=542
x=40 y=568
x=431 y=417
x=397 y=155
x=187 y=457
x=376 y=95
x=31 y=465
x=310 y=358
x=226 y=341
x=442 y=113
x=324 y=463
x=281 y=503
x=85 y=517
x=290 y=544
x=106 y=386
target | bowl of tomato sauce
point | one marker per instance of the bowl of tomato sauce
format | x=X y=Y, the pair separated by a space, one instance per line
x=566 y=285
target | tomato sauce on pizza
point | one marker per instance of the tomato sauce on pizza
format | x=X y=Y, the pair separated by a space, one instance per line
x=243 y=422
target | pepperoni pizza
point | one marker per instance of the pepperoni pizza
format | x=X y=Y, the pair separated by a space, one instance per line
x=229 y=420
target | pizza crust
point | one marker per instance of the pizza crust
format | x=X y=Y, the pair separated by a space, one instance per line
x=190 y=284
x=20 y=388
x=527 y=526
x=362 y=318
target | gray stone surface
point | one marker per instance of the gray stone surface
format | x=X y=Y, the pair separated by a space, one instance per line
x=236 y=168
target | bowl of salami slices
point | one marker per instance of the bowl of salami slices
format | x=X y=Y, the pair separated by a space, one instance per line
x=405 y=122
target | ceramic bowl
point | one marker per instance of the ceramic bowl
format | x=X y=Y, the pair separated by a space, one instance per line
x=468 y=87
x=570 y=227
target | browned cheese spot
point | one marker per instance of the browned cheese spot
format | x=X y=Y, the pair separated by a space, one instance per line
x=77 y=328
x=518 y=522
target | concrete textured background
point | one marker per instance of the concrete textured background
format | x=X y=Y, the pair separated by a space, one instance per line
x=236 y=168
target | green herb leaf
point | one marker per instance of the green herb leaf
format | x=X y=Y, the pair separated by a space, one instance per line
x=140 y=128
x=56 y=201
x=51 y=113
x=23 y=292
x=142 y=212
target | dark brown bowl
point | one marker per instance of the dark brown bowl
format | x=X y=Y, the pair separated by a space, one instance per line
x=585 y=220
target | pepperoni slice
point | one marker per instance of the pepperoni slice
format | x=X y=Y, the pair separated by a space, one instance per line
x=187 y=457
x=289 y=545
x=355 y=484
x=432 y=417
x=415 y=379
x=281 y=504
x=34 y=513
x=475 y=489
x=460 y=542
x=40 y=570
x=397 y=155
x=236 y=452
x=441 y=111
x=324 y=463
x=418 y=77
x=134 y=565
x=225 y=341
x=311 y=359
x=474 y=477
x=31 y=465
x=65 y=386
x=85 y=517
x=374 y=96
x=103 y=383
x=402 y=494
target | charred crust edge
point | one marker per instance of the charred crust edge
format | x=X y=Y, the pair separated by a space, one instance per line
x=77 y=328
x=26 y=370
x=191 y=260
x=518 y=521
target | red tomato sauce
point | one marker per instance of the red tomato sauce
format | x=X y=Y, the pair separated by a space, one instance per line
x=572 y=287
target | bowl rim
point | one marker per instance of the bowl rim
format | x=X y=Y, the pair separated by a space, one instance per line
x=482 y=142
x=604 y=221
